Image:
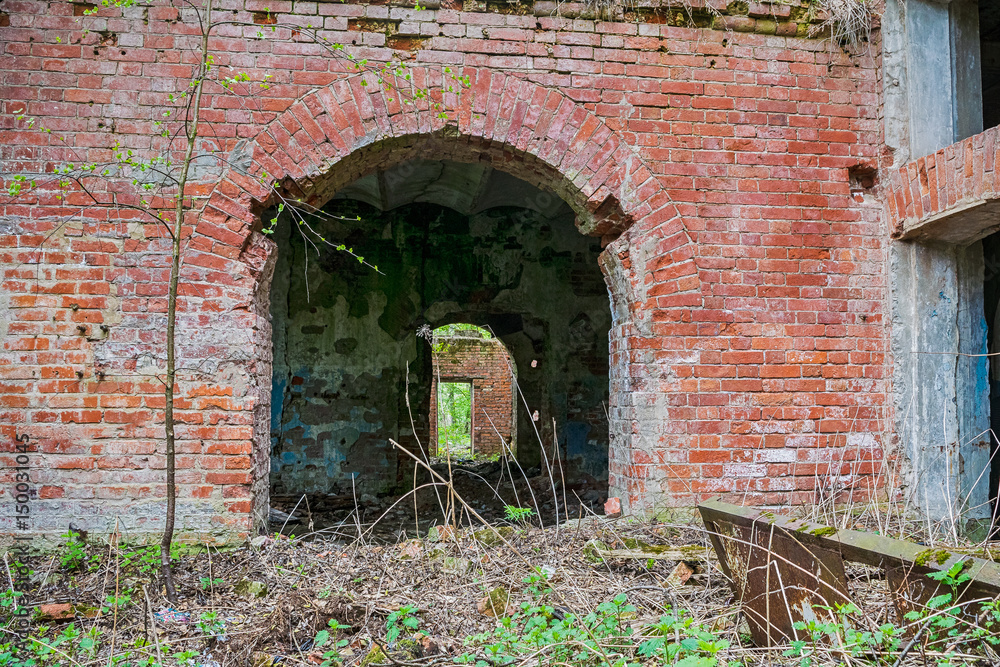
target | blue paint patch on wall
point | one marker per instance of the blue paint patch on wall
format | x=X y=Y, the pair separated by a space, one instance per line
x=278 y=385
x=575 y=435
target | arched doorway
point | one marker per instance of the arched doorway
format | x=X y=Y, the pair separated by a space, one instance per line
x=452 y=243
x=334 y=135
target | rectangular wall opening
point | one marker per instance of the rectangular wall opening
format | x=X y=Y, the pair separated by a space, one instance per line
x=989 y=49
x=454 y=419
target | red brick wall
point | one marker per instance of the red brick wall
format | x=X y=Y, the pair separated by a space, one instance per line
x=748 y=351
x=488 y=367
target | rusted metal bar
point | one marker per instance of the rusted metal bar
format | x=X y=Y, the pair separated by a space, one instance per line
x=777 y=578
x=783 y=569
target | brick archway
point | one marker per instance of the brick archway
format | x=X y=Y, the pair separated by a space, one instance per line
x=334 y=135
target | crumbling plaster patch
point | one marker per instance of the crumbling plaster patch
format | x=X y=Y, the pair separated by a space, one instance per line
x=343 y=353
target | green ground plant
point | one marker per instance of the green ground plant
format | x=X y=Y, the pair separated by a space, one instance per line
x=140 y=561
x=331 y=646
x=516 y=514
x=880 y=646
x=74 y=554
x=677 y=639
x=403 y=619
x=211 y=625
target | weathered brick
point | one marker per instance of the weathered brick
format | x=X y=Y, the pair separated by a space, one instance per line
x=714 y=172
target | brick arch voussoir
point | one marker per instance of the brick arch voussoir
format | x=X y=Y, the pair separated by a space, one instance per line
x=582 y=159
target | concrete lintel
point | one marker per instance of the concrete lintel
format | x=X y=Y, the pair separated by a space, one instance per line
x=961 y=225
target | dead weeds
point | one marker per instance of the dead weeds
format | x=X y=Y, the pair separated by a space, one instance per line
x=418 y=602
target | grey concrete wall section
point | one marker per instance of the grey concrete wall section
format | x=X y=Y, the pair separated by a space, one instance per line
x=941 y=399
x=896 y=101
x=972 y=387
x=932 y=79
x=925 y=336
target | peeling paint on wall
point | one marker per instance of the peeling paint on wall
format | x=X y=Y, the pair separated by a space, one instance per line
x=345 y=337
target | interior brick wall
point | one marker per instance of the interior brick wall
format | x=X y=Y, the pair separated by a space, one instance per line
x=711 y=153
x=486 y=365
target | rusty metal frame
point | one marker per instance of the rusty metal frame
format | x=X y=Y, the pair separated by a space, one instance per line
x=785 y=570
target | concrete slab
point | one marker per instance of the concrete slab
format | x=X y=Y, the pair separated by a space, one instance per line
x=963 y=224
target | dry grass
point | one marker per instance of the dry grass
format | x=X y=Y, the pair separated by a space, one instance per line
x=849 y=21
x=269 y=600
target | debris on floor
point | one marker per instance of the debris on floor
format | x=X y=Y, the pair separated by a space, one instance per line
x=492 y=487
x=511 y=593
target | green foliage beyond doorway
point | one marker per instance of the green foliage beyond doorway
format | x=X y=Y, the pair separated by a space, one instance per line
x=454 y=411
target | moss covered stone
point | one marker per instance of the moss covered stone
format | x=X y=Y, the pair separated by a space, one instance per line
x=251 y=589
x=928 y=556
x=495 y=603
x=489 y=537
x=592 y=551
x=374 y=656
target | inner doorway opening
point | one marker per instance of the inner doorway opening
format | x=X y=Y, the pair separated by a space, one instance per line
x=473 y=412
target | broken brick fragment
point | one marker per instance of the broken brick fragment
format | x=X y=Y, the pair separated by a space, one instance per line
x=613 y=507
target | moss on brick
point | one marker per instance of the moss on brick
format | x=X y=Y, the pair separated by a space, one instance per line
x=766 y=27
x=738 y=8
x=928 y=556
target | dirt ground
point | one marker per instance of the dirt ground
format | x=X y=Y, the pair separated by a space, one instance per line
x=404 y=587
x=265 y=602
x=271 y=597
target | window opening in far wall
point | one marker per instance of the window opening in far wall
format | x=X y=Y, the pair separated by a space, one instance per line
x=454 y=419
